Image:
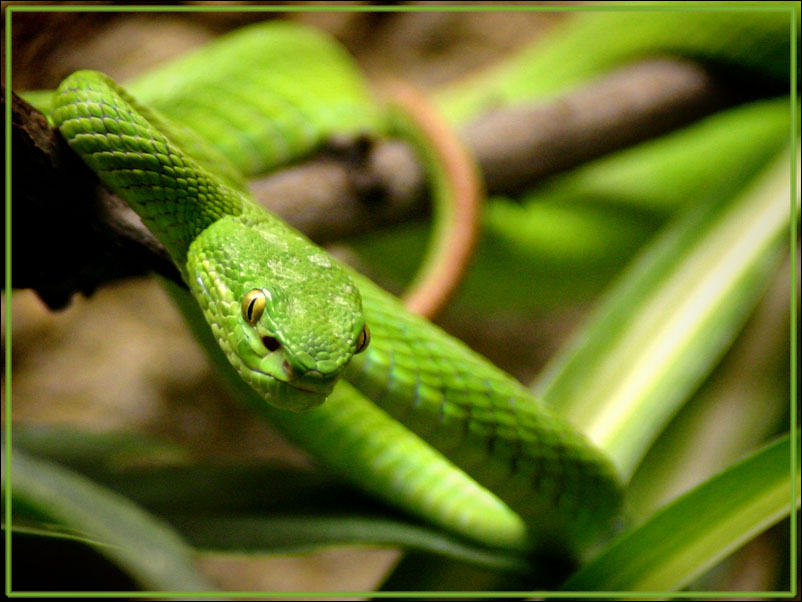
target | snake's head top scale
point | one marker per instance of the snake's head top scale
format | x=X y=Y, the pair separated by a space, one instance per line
x=288 y=317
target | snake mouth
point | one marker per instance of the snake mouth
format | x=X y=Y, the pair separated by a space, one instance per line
x=314 y=382
x=300 y=388
x=289 y=395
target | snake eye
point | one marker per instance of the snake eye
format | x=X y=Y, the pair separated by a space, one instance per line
x=253 y=306
x=363 y=340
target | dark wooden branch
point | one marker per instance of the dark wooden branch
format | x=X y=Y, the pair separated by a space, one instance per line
x=70 y=235
x=522 y=145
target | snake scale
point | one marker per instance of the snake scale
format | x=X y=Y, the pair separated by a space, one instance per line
x=410 y=413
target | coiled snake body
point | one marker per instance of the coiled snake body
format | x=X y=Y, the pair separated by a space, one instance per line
x=294 y=323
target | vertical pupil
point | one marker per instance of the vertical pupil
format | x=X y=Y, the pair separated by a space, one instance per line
x=250 y=309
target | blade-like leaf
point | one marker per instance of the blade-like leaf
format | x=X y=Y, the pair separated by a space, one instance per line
x=699 y=529
x=741 y=406
x=90 y=451
x=425 y=572
x=282 y=534
x=145 y=547
x=669 y=319
x=581 y=48
x=253 y=509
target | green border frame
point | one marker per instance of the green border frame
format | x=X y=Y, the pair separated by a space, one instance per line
x=646 y=6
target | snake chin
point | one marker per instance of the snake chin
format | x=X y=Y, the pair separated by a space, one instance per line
x=285 y=395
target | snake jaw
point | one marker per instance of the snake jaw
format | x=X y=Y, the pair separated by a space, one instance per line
x=278 y=380
x=283 y=394
x=315 y=382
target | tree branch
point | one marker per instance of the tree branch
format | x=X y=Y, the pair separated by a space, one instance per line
x=522 y=145
x=70 y=235
x=329 y=198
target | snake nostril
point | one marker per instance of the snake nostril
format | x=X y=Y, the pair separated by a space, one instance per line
x=270 y=343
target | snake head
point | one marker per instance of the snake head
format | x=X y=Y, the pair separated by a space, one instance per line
x=287 y=315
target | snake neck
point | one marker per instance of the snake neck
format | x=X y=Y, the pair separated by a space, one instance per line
x=144 y=160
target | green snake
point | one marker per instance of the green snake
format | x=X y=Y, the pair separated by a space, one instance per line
x=378 y=393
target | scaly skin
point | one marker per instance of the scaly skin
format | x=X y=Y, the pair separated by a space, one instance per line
x=225 y=246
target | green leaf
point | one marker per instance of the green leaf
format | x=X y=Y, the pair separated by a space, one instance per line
x=291 y=533
x=669 y=319
x=150 y=551
x=741 y=406
x=89 y=451
x=425 y=572
x=253 y=509
x=699 y=529
x=581 y=48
